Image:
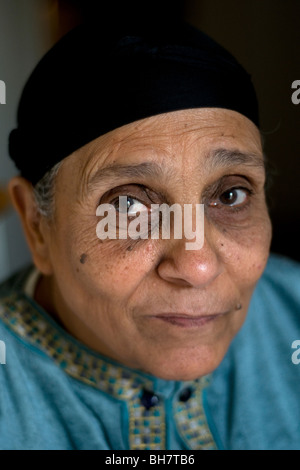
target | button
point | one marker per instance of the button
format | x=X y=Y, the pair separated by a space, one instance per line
x=186 y=394
x=149 y=399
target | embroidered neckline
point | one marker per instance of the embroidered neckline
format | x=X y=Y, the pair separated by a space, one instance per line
x=146 y=426
x=34 y=326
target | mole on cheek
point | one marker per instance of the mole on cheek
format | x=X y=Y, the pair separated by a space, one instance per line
x=83 y=258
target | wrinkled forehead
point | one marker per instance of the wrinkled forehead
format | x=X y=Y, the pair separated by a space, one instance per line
x=188 y=125
x=188 y=137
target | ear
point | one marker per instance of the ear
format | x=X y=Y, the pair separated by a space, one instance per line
x=36 y=229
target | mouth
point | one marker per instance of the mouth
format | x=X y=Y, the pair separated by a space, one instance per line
x=188 y=321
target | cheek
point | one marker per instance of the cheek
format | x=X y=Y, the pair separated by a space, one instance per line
x=245 y=250
x=112 y=269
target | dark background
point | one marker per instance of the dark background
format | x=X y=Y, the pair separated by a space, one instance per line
x=264 y=35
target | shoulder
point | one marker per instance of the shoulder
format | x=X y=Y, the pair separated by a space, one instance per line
x=254 y=398
x=13 y=347
x=274 y=312
x=282 y=271
x=277 y=294
x=9 y=292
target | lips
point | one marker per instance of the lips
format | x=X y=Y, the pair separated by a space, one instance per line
x=188 y=321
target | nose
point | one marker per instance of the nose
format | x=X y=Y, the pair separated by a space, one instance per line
x=191 y=268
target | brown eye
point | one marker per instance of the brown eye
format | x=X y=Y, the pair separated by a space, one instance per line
x=234 y=197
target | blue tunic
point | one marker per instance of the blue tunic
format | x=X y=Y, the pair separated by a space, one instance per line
x=55 y=393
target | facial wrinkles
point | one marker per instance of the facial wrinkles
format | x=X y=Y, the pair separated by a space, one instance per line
x=181 y=149
x=153 y=140
x=127 y=282
x=166 y=151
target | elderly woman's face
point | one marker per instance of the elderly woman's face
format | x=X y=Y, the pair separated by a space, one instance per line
x=152 y=304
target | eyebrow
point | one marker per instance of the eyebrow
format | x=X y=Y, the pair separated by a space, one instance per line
x=217 y=158
x=226 y=158
x=114 y=172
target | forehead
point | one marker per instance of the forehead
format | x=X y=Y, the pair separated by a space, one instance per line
x=186 y=125
x=161 y=138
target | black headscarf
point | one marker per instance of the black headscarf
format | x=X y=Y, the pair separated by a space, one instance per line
x=94 y=80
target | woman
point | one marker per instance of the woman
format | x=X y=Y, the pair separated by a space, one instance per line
x=131 y=342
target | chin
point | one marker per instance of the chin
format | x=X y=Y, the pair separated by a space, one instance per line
x=186 y=370
x=183 y=375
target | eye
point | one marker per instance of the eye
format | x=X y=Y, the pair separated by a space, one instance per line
x=129 y=205
x=233 y=197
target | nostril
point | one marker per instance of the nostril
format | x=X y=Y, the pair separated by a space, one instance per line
x=185 y=268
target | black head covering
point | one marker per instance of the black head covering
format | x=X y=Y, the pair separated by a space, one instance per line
x=93 y=81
